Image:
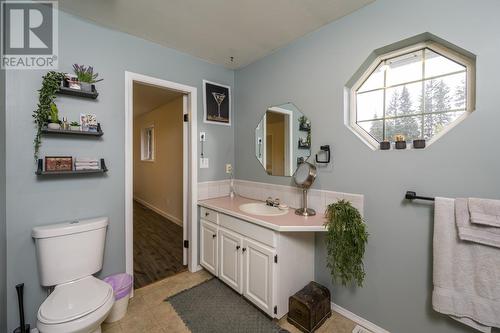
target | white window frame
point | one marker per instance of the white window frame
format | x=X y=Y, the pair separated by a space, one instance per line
x=144 y=144
x=433 y=46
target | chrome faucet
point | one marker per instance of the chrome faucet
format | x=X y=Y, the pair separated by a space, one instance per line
x=273 y=202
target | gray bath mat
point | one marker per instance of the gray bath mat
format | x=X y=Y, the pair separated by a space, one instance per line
x=213 y=307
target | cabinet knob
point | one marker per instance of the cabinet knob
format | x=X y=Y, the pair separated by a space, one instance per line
x=214 y=235
x=237 y=247
x=244 y=249
x=207 y=213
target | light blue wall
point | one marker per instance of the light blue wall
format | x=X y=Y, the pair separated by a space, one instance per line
x=35 y=201
x=3 y=306
x=312 y=73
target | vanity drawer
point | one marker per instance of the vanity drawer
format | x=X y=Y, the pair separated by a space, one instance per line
x=209 y=215
x=250 y=230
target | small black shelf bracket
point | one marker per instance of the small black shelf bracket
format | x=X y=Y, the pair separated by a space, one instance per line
x=326 y=149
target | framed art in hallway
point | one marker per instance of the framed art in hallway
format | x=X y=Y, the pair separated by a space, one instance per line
x=216 y=103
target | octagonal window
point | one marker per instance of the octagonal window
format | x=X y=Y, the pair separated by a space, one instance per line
x=419 y=92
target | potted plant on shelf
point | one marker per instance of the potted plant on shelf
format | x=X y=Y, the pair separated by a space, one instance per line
x=85 y=77
x=74 y=126
x=385 y=145
x=419 y=143
x=346 y=239
x=304 y=124
x=54 y=122
x=400 y=141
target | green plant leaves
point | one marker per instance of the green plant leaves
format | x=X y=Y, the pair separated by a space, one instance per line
x=345 y=242
x=85 y=74
x=47 y=94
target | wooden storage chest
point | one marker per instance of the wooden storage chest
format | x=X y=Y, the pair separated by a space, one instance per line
x=310 y=307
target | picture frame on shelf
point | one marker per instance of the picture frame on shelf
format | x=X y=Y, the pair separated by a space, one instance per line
x=216 y=103
x=58 y=163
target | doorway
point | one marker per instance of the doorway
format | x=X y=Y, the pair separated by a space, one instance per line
x=160 y=178
x=278 y=146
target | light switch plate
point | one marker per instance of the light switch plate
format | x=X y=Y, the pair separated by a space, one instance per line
x=229 y=168
x=203 y=136
x=203 y=162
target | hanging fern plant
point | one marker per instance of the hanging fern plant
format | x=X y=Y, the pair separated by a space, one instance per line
x=47 y=94
x=345 y=242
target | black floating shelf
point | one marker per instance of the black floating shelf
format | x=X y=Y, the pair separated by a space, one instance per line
x=78 y=93
x=41 y=172
x=99 y=132
x=304 y=129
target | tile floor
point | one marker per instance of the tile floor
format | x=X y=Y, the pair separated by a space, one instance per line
x=148 y=312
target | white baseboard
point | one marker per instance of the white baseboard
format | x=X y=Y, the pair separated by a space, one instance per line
x=357 y=319
x=159 y=211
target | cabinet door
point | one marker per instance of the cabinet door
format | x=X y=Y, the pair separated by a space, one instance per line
x=258 y=275
x=208 y=247
x=230 y=245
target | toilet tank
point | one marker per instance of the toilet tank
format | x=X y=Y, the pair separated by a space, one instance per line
x=69 y=251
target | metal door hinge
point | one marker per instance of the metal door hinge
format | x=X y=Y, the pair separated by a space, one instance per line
x=276 y=258
x=186 y=244
x=186 y=117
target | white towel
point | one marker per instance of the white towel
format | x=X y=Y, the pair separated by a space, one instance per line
x=485 y=211
x=86 y=163
x=471 y=231
x=85 y=160
x=465 y=275
x=79 y=168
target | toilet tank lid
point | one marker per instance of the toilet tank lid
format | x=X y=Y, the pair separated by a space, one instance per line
x=68 y=228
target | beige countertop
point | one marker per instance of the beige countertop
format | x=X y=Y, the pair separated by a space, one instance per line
x=283 y=223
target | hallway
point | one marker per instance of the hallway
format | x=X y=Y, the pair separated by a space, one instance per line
x=157 y=247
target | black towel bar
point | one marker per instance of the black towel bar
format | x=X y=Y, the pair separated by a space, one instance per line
x=410 y=195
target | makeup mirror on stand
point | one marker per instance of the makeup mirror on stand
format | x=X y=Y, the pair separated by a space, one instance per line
x=304 y=177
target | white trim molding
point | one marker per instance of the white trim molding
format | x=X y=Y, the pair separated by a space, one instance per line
x=357 y=319
x=190 y=220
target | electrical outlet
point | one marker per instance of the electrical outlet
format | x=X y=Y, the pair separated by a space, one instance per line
x=204 y=163
x=203 y=137
x=229 y=168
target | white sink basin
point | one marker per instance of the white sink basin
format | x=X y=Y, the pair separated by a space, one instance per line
x=259 y=208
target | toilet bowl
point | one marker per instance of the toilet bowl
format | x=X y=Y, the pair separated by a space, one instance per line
x=68 y=254
x=78 y=307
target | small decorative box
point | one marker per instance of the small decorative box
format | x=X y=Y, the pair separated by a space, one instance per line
x=310 y=307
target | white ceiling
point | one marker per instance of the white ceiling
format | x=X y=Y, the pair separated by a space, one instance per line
x=216 y=30
x=148 y=98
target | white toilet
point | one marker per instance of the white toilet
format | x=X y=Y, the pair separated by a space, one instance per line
x=68 y=254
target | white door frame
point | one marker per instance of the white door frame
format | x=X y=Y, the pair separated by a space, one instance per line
x=190 y=167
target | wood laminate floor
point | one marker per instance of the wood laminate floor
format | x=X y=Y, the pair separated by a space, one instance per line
x=157 y=247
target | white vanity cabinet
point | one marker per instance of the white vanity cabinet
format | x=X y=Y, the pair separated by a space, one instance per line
x=265 y=266
x=258 y=275
x=208 y=246
x=230 y=258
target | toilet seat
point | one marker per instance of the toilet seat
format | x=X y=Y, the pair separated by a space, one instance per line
x=76 y=306
x=74 y=300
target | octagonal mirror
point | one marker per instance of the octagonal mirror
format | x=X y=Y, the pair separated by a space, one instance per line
x=282 y=139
